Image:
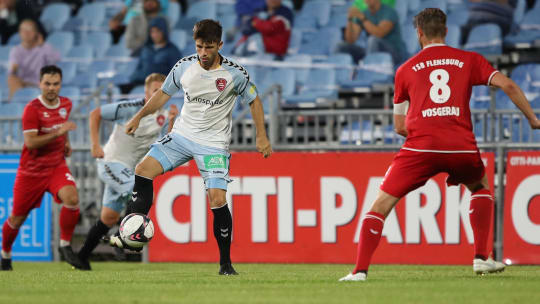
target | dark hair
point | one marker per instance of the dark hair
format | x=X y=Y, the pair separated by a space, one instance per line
x=208 y=30
x=49 y=69
x=432 y=21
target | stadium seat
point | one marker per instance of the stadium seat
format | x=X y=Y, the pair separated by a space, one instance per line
x=401 y=9
x=179 y=38
x=10 y=131
x=173 y=12
x=324 y=44
x=93 y=15
x=480 y=97
x=117 y=51
x=458 y=17
x=375 y=68
x=69 y=70
x=14 y=39
x=502 y=101
x=196 y=11
x=301 y=73
x=529 y=30
x=408 y=34
x=432 y=3
x=295 y=41
x=485 y=39
x=24 y=95
x=62 y=41
x=82 y=54
x=321 y=84
x=338 y=20
x=224 y=9
x=71 y=92
x=4 y=54
x=318 y=11
x=54 y=16
x=100 y=40
x=283 y=77
x=453 y=36
x=344 y=69
x=519 y=11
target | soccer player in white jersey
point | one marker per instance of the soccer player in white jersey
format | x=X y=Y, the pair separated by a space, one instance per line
x=116 y=161
x=211 y=84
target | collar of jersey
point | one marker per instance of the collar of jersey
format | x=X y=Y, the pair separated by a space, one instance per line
x=433 y=44
x=217 y=68
x=47 y=105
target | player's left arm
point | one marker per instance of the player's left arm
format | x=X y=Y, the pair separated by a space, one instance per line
x=262 y=142
x=516 y=95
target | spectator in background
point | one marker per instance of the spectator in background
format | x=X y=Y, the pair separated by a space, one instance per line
x=159 y=55
x=137 y=29
x=27 y=58
x=12 y=13
x=132 y=8
x=275 y=24
x=245 y=10
x=381 y=24
x=500 y=12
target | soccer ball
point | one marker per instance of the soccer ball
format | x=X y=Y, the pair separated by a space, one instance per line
x=136 y=230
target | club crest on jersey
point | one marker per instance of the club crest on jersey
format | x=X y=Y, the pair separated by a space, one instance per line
x=160 y=120
x=221 y=83
x=62 y=112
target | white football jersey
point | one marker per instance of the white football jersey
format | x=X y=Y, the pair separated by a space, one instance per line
x=130 y=149
x=209 y=98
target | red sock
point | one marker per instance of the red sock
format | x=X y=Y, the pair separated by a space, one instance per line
x=8 y=236
x=68 y=219
x=370 y=235
x=480 y=215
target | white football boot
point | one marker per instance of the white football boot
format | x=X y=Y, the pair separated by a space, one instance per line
x=360 y=276
x=487 y=266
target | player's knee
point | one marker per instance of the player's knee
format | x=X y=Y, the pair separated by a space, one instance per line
x=109 y=219
x=16 y=221
x=217 y=202
x=71 y=200
x=144 y=169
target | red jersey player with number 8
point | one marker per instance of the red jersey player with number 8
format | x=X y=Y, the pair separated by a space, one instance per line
x=431 y=109
x=43 y=166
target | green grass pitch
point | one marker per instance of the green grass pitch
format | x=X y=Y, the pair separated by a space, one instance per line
x=263 y=283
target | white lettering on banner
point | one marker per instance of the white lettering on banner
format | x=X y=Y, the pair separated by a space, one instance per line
x=198 y=210
x=332 y=216
x=418 y=216
x=457 y=210
x=170 y=227
x=285 y=210
x=391 y=229
x=525 y=192
x=525 y=161
x=259 y=188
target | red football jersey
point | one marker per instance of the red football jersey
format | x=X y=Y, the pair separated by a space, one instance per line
x=39 y=116
x=438 y=82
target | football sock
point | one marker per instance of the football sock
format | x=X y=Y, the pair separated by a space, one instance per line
x=480 y=215
x=69 y=216
x=223 y=232
x=8 y=236
x=92 y=239
x=142 y=196
x=370 y=235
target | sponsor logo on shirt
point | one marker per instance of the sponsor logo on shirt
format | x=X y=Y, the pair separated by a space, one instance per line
x=62 y=112
x=204 y=101
x=221 y=83
x=215 y=161
x=46 y=114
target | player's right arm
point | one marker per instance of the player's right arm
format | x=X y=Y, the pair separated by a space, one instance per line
x=156 y=102
x=94 y=122
x=515 y=93
x=401 y=104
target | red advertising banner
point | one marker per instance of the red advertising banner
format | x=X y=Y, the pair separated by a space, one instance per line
x=522 y=209
x=306 y=208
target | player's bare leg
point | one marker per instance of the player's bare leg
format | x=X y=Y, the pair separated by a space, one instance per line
x=9 y=233
x=108 y=218
x=370 y=235
x=222 y=229
x=69 y=216
x=481 y=215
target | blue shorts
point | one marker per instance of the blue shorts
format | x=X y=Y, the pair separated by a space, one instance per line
x=174 y=150
x=119 y=181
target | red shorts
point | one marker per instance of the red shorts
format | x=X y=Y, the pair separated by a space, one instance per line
x=28 y=190
x=411 y=170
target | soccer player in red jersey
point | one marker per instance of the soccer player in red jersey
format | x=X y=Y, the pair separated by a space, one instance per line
x=431 y=109
x=43 y=166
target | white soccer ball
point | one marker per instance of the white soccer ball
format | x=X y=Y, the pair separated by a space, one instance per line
x=136 y=230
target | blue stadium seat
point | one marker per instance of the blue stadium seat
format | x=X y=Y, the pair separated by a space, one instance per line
x=24 y=95
x=318 y=11
x=529 y=29
x=196 y=11
x=62 y=41
x=432 y=3
x=14 y=39
x=295 y=41
x=11 y=131
x=401 y=9
x=485 y=39
x=453 y=36
x=375 y=68
x=321 y=84
x=69 y=70
x=338 y=20
x=54 y=16
x=344 y=69
x=283 y=77
x=83 y=54
x=519 y=11
x=502 y=101
x=85 y=80
x=480 y=97
x=325 y=43
x=458 y=17
x=4 y=54
x=100 y=40
x=408 y=34
x=173 y=12
x=118 y=50
x=71 y=92
x=224 y=9
x=179 y=38
x=93 y=15
x=124 y=70
x=301 y=74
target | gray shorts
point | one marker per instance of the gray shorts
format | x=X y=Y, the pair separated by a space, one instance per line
x=119 y=181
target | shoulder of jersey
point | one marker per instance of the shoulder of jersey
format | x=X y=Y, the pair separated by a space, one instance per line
x=240 y=68
x=64 y=100
x=185 y=59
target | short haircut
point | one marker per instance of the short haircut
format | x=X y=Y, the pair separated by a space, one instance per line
x=432 y=21
x=50 y=69
x=208 y=30
x=154 y=77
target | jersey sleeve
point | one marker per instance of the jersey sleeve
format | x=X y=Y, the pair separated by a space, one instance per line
x=172 y=85
x=120 y=111
x=401 y=94
x=244 y=87
x=30 y=119
x=482 y=71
